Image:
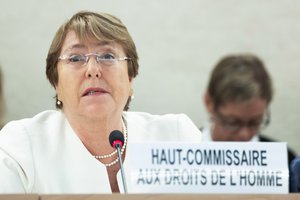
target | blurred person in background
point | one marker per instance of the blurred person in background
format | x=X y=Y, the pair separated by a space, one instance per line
x=238 y=100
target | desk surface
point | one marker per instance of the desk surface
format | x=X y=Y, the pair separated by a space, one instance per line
x=19 y=197
x=153 y=197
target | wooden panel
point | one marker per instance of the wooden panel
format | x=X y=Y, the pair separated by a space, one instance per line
x=151 y=197
x=19 y=197
x=170 y=196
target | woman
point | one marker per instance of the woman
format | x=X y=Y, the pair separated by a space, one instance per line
x=91 y=64
x=238 y=96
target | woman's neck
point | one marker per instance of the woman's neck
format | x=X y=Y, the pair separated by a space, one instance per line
x=94 y=133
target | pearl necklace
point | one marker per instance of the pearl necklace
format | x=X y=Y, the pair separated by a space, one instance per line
x=115 y=151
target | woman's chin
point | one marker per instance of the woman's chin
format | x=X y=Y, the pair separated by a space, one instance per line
x=97 y=111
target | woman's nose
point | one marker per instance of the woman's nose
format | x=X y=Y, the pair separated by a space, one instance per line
x=93 y=69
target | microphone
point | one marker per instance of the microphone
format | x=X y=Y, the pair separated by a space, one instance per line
x=116 y=140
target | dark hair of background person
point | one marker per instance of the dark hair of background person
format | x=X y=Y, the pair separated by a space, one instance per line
x=237 y=78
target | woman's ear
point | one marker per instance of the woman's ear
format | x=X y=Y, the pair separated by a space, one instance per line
x=209 y=104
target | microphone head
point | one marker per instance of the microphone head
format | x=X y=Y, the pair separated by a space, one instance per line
x=116 y=137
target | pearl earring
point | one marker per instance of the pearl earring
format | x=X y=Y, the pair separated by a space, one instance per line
x=58 y=102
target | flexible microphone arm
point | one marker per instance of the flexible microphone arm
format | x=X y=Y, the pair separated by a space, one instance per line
x=116 y=139
x=122 y=168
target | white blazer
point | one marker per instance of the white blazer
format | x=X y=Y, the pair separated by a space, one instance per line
x=43 y=155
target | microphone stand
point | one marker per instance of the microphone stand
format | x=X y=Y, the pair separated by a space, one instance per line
x=121 y=168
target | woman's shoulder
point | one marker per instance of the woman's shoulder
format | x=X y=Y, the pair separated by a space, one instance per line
x=21 y=135
x=40 y=118
x=162 y=127
x=40 y=123
x=148 y=117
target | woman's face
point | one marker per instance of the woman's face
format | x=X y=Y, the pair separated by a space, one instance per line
x=92 y=89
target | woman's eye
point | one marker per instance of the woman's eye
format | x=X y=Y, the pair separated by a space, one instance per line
x=76 y=58
x=107 y=56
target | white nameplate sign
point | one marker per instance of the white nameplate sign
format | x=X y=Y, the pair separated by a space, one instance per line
x=214 y=167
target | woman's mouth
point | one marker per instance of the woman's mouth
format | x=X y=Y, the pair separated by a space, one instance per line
x=94 y=91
